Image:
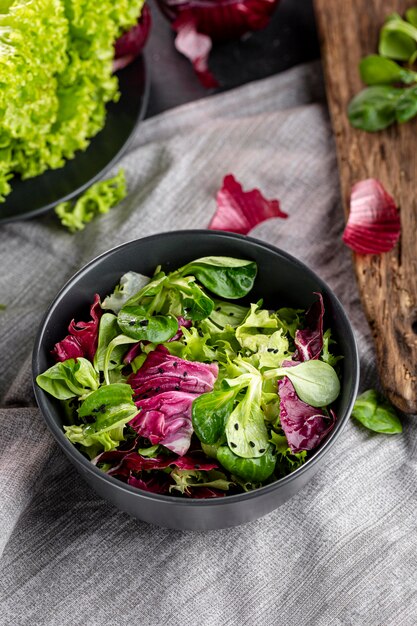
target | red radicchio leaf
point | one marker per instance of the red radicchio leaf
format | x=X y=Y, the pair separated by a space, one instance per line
x=309 y=341
x=165 y=388
x=304 y=426
x=129 y=461
x=82 y=340
x=374 y=222
x=196 y=47
x=166 y=419
x=131 y=43
x=239 y=211
x=153 y=484
x=163 y=372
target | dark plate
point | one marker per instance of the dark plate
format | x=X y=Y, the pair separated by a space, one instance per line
x=38 y=195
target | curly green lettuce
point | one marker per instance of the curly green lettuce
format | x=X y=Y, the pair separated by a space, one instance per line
x=97 y=200
x=56 y=75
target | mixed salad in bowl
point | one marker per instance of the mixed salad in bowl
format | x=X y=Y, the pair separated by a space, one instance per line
x=175 y=386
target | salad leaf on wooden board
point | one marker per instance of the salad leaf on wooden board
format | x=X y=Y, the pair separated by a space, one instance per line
x=376 y=413
x=62 y=52
x=392 y=94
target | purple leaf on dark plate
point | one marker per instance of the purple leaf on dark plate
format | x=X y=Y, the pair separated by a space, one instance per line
x=304 y=426
x=309 y=341
x=163 y=372
x=82 y=338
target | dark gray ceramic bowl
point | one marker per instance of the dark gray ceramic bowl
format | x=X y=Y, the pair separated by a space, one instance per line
x=281 y=281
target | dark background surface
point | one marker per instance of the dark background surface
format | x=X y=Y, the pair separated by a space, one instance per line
x=289 y=39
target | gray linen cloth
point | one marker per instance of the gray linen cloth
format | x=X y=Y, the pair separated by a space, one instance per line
x=343 y=551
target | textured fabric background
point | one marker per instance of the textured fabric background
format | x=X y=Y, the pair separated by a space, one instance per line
x=343 y=551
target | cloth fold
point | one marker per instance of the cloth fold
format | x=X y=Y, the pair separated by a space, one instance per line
x=340 y=552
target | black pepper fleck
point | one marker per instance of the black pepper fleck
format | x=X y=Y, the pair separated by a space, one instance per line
x=252 y=445
x=177 y=387
x=161 y=370
x=262 y=450
x=236 y=426
x=233 y=445
x=144 y=322
x=185 y=374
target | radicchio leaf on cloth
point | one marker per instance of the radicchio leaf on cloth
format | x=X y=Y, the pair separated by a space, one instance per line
x=132 y=42
x=163 y=372
x=239 y=211
x=304 y=426
x=82 y=338
x=309 y=341
x=374 y=224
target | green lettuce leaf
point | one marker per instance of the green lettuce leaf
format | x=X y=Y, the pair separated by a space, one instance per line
x=98 y=199
x=56 y=60
x=69 y=379
x=106 y=412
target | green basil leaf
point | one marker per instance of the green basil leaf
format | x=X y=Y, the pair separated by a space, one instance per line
x=376 y=413
x=210 y=412
x=251 y=470
x=135 y=322
x=69 y=379
x=225 y=276
x=411 y=16
x=397 y=39
x=374 y=108
x=315 y=382
x=407 y=105
x=377 y=70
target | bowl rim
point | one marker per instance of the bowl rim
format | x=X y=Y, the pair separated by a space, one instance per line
x=76 y=456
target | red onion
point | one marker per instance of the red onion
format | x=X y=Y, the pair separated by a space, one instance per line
x=374 y=224
x=131 y=43
x=199 y=22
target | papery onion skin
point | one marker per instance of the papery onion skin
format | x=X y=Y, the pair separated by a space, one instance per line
x=130 y=44
x=374 y=224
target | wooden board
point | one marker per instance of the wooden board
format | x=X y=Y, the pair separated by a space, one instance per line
x=348 y=31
